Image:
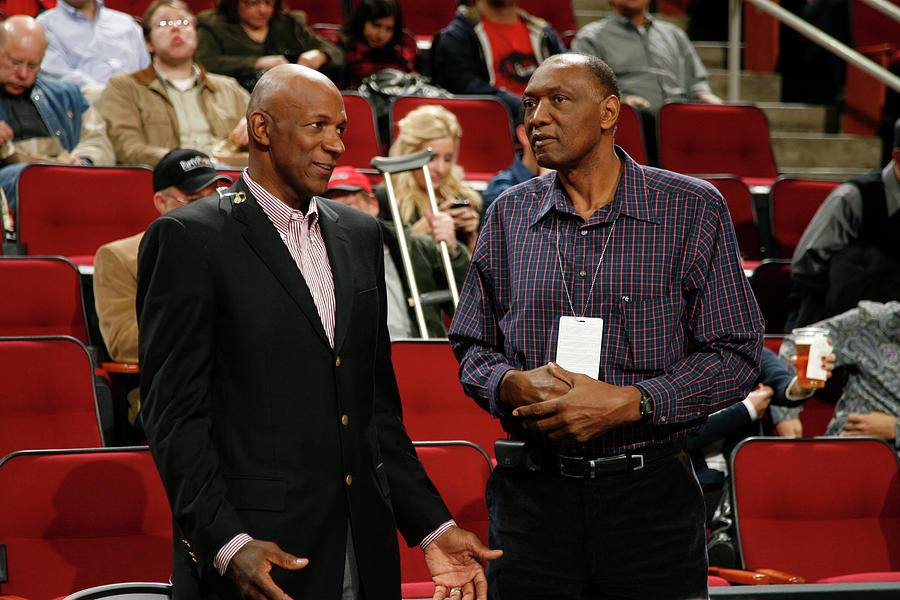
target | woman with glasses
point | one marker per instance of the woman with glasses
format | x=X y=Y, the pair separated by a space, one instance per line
x=244 y=38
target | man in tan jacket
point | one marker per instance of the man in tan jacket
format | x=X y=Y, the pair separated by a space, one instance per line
x=174 y=102
x=181 y=177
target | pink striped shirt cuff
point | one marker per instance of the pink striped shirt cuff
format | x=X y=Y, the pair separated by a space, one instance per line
x=227 y=552
x=436 y=533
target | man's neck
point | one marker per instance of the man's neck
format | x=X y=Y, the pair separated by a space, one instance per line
x=592 y=186
x=506 y=15
x=639 y=19
x=174 y=71
x=262 y=174
x=89 y=10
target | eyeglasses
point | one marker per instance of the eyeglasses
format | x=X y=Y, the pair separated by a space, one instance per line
x=175 y=23
x=18 y=64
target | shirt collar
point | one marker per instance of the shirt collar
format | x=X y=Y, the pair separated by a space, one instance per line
x=74 y=12
x=628 y=23
x=166 y=81
x=278 y=212
x=630 y=198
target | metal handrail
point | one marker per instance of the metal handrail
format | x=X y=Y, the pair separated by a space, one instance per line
x=883 y=6
x=813 y=33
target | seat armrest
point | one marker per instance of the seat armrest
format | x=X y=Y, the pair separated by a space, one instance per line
x=741 y=576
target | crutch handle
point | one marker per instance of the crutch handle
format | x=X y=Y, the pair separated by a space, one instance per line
x=407 y=162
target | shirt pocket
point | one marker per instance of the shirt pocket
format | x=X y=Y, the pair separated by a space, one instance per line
x=650 y=326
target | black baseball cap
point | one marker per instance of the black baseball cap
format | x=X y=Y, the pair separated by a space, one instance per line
x=188 y=170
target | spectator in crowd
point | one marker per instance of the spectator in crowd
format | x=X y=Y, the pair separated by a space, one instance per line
x=372 y=39
x=174 y=102
x=654 y=61
x=710 y=447
x=270 y=402
x=850 y=250
x=89 y=43
x=181 y=177
x=350 y=187
x=41 y=119
x=492 y=48
x=243 y=38
x=867 y=341
x=437 y=128
x=523 y=168
x=605 y=316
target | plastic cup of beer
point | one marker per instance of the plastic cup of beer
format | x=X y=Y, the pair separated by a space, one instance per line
x=812 y=344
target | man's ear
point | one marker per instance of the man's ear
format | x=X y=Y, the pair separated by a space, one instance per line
x=610 y=113
x=258 y=127
x=159 y=201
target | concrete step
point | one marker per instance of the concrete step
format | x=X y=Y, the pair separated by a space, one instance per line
x=805 y=118
x=821 y=173
x=825 y=151
x=755 y=87
x=714 y=55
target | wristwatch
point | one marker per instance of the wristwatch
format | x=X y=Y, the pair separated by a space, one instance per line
x=646 y=406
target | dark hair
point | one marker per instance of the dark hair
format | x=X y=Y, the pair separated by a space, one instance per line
x=156 y=5
x=229 y=9
x=372 y=10
x=604 y=75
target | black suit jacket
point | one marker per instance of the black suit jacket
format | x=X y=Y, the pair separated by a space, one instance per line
x=256 y=424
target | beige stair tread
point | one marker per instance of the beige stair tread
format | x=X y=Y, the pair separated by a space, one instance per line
x=825 y=151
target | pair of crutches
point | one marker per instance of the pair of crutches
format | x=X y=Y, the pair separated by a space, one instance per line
x=389 y=166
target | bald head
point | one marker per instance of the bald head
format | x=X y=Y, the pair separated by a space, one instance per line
x=22 y=46
x=295 y=120
x=601 y=74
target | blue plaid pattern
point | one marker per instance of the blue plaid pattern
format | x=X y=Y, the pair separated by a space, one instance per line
x=679 y=315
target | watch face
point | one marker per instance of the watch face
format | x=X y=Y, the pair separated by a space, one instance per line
x=646 y=406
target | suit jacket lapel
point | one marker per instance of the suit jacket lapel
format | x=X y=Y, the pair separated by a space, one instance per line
x=337 y=243
x=262 y=236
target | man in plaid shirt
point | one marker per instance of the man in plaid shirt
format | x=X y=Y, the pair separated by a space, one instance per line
x=604 y=316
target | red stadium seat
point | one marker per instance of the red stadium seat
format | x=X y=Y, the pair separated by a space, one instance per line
x=45 y=298
x=740 y=206
x=794 y=202
x=48 y=398
x=424 y=19
x=559 y=14
x=435 y=407
x=111 y=203
x=486 y=145
x=319 y=11
x=629 y=134
x=460 y=471
x=361 y=141
x=817 y=508
x=74 y=519
x=711 y=139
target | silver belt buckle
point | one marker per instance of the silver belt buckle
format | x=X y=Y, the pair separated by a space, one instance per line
x=640 y=463
x=561 y=461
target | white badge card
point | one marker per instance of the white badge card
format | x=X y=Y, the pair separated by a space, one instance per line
x=578 y=345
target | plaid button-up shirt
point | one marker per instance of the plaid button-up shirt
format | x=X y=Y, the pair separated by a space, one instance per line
x=679 y=316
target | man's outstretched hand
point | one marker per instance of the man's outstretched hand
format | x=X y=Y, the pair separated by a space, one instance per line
x=250 y=568
x=454 y=561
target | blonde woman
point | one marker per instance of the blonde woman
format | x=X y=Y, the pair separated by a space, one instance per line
x=437 y=128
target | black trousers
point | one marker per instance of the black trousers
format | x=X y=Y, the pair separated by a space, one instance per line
x=637 y=535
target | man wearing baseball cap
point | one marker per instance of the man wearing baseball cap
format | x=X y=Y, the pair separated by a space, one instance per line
x=179 y=178
x=349 y=186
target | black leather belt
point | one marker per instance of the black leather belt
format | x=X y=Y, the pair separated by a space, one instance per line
x=576 y=467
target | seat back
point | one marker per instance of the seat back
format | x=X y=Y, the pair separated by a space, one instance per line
x=110 y=203
x=435 y=407
x=361 y=141
x=629 y=134
x=715 y=138
x=771 y=284
x=48 y=398
x=460 y=471
x=740 y=207
x=794 y=203
x=486 y=146
x=125 y=591
x=74 y=519
x=560 y=15
x=817 y=507
x=424 y=19
x=318 y=11
x=45 y=298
